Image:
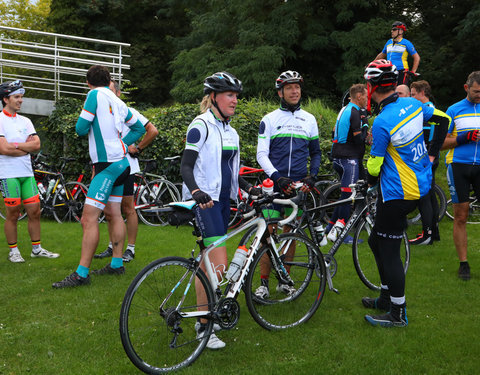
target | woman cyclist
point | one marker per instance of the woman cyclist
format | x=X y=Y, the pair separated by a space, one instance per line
x=210 y=167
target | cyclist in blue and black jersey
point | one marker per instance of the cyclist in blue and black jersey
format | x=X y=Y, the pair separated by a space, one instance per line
x=434 y=135
x=463 y=163
x=287 y=139
x=210 y=171
x=103 y=118
x=348 y=149
x=399 y=163
x=397 y=50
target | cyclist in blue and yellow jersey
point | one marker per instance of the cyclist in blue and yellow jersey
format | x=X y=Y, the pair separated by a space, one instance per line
x=18 y=139
x=287 y=139
x=400 y=165
x=210 y=171
x=434 y=135
x=463 y=163
x=348 y=149
x=397 y=50
x=103 y=118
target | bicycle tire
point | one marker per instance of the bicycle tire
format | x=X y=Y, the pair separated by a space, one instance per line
x=363 y=257
x=306 y=269
x=331 y=194
x=415 y=216
x=68 y=202
x=146 y=328
x=315 y=198
x=473 y=211
x=156 y=194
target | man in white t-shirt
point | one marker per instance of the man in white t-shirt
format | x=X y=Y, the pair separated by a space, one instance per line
x=128 y=203
x=17 y=140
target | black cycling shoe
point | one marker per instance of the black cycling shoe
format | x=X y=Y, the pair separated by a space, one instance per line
x=108 y=270
x=464 y=271
x=397 y=317
x=104 y=254
x=71 y=281
x=386 y=320
x=128 y=255
x=375 y=303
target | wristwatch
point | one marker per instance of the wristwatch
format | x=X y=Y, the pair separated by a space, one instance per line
x=139 y=150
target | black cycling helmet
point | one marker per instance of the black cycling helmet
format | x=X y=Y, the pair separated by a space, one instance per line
x=289 y=76
x=399 y=25
x=7 y=88
x=381 y=73
x=222 y=82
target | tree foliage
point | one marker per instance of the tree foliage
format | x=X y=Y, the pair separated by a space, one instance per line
x=177 y=43
x=25 y=14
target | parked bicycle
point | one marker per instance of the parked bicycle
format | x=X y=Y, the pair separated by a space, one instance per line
x=153 y=190
x=59 y=198
x=361 y=222
x=159 y=311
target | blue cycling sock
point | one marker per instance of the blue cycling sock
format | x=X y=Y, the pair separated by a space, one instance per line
x=82 y=271
x=116 y=263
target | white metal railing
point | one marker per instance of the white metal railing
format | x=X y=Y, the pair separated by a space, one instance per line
x=46 y=65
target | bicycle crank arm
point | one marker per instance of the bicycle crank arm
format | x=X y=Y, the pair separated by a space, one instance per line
x=330 y=282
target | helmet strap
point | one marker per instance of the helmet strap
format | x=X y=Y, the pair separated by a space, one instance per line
x=214 y=102
x=370 y=90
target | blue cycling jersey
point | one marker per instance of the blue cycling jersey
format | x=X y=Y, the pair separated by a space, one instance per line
x=465 y=117
x=349 y=121
x=397 y=52
x=406 y=172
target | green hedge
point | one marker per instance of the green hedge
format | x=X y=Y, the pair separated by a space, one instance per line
x=59 y=137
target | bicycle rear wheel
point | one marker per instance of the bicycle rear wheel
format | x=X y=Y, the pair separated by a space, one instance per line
x=363 y=257
x=473 y=210
x=414 y=217
x=306 y=268
x=156 y=195
x=331 y=194
x=68 y=202
x=155 y=333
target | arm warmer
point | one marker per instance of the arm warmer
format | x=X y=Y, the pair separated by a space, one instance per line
x=186 y=169
x=441 y=120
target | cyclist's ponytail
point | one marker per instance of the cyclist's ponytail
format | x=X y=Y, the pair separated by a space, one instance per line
x=206 y=103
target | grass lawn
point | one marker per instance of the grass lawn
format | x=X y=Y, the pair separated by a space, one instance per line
x=75 y=331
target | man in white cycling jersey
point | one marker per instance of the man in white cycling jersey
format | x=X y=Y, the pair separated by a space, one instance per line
x=103 y=118
x=287 y=140
x=17 y=140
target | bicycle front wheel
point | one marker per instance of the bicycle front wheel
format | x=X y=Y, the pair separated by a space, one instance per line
x=156 y=334
x=363 y=257
x=157 y=194
x=287 y=307
x=68 y=202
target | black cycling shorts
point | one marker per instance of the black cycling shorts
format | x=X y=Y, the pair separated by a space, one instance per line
x=462 y=178
x=128 y=185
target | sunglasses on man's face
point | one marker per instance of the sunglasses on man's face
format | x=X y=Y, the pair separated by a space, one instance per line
x=395 y=28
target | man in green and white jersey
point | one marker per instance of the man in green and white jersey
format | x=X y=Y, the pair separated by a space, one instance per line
x=128 y=203
x=103 y=117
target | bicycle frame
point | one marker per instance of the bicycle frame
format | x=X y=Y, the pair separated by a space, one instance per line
x=233 y=288
x=358 y=212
